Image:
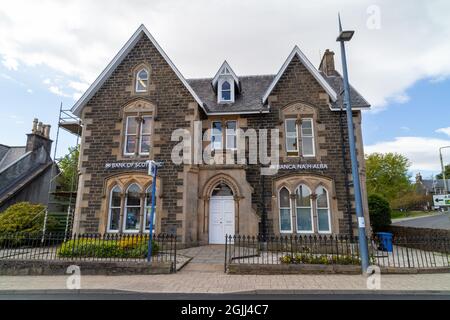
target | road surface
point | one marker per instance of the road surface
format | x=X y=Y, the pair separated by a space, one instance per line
x=439 y=221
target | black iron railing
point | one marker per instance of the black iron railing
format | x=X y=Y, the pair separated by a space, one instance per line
x=87 y=247
x=336 y=249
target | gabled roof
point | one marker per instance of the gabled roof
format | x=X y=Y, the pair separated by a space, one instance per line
x=225 y=69
x=129 y=45
x=297 y=52
x=247 y=101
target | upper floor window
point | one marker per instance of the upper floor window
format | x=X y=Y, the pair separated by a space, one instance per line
x=306 y=130
x=231 y=135
x=225 y=92
x=307 y=138
x=142 y=80
x=216 y=135
x=229 y=139
x=291 y=136
x=137 y=136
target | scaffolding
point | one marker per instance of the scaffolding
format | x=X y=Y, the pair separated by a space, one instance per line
x=61 y=203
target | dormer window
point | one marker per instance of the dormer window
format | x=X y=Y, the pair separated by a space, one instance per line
x=226 y=91
x=226 y=84
x=142 y=80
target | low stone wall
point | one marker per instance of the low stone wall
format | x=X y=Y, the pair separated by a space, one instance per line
x=236 y=268
x=268 y=269
x=401 y=231
x=44 y=267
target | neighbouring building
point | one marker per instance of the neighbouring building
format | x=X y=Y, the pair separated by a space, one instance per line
x=25 y=171
x=431 y=186
x=131 y=111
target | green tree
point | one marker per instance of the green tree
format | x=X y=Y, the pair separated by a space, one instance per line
x=379 y=212
x=387 y=175
x=447 y=173
x=69 y=166
x=24 y=217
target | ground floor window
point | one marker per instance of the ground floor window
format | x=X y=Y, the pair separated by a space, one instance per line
x=129 y=212
x=310 y=216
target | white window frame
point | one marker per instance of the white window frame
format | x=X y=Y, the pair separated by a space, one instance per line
x=125 y=206
x=308 y=136
x=221 y=135
x=147 y=134
x=286 y=136
x=234 y=135
x=328 y=212
x=311 y=231
x=149 y=207
x=138 y=79
x=129 y=134
x=108 y=224
x=279 y=210
x=230 y=80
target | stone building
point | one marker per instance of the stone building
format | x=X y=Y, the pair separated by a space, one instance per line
x=25 y=171
x=130 y=115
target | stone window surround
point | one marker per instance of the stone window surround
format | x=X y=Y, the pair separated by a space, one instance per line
x=137 y=107
x=299 y=110
x=312 y=181
x=123 y=181
x=151 y=85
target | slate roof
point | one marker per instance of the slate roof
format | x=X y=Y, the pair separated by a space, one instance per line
x=249 y=99
x=337 y=83
x=9 y=155
x=252 y=90
x=431 y=184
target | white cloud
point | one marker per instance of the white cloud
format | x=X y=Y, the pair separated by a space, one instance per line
x=30 y=91
x=10 y=63
x=444 y=131
x=78 y=38
x=56 y=90
x=423 y=152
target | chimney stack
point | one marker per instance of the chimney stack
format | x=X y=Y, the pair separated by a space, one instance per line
x=327 y=63
x=39 y=136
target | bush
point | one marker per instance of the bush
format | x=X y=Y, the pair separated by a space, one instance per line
x=320 y=259
x=412 y=201
x=380 y=213
x=132 y=248
x=24 y=217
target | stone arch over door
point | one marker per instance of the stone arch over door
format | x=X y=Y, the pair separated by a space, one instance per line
x=246 y=219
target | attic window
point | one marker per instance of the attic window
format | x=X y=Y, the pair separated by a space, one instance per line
x=142 y=80
x=225 y=91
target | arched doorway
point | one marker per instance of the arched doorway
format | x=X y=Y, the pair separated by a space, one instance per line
x=221 y=213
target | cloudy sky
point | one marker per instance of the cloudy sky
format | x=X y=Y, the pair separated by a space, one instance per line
x=50 y=51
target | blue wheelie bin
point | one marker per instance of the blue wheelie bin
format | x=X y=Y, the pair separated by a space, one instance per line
x=385 y=241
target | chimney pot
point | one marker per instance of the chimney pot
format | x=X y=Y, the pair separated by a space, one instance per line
x=39 y=128
x=34 y=128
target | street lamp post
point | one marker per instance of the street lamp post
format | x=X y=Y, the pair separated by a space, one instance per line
x=364 y=252
x=443 y=169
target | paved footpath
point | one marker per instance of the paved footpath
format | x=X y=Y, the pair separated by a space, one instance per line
x=204 y=274
x=216 y=282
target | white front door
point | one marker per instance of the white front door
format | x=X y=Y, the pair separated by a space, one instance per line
x=221 y=218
